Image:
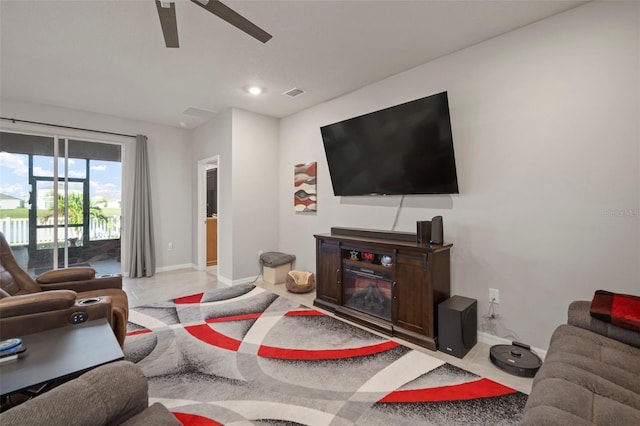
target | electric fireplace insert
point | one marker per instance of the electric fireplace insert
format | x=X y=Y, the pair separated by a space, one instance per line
x=369 y=291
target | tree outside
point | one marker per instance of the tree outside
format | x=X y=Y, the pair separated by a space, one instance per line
x=75 y=212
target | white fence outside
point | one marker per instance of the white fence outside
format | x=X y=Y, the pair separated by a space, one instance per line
x=16 y=231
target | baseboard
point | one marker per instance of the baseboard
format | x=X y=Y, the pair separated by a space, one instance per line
x=248 y=280
x=174 y=267
x=490 y=339
x=230 y=282
x=169 y=268
x=225 y=280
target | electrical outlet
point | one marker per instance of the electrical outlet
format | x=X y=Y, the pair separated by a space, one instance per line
x=170 y=246
x=494 y=295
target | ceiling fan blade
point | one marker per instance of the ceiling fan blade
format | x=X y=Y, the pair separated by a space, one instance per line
x=234 y=18
x=168 y=22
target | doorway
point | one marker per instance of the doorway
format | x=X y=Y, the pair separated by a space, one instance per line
x=207 y=218
x=212 y=215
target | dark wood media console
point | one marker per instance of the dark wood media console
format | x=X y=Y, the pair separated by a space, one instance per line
x=400 y=299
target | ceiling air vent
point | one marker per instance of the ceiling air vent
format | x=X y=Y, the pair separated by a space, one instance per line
x=293 y=92
x=198 y=112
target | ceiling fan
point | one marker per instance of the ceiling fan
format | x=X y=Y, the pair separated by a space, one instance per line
x=167 y=14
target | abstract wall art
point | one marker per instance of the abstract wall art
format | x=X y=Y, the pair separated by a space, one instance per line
x=304 y=197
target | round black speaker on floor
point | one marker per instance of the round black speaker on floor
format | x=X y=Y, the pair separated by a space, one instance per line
x=516 y=359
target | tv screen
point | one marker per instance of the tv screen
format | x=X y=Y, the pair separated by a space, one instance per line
x=404 y=149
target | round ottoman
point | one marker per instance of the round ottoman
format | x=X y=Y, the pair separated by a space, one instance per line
x=300 y=282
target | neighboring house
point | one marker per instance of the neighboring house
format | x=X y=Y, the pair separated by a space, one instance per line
x=7 y=202
x=45 y=200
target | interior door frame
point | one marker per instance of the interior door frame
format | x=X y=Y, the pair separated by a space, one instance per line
x=201 y=211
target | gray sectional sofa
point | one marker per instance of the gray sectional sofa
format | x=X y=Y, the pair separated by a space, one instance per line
x=591 y=375
x=112 y=394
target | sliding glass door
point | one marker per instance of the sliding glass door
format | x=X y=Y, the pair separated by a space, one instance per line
x=60 y=202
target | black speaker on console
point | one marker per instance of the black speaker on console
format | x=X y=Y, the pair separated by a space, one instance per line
x=423 y=231
x=437 y=236
x=457 y=325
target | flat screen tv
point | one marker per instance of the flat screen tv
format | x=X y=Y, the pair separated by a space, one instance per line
x=404 y=149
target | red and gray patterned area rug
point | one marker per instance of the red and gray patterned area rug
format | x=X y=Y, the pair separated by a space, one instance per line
x=242 y=355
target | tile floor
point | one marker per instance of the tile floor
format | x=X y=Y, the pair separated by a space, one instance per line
x=167 y=285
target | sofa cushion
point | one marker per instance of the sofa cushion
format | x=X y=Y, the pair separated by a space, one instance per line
x=586 y=376
x=107 y=395
x=579 y=316
x=557 y=401
x=572 y=341
x=548 y=416
x=156 y=415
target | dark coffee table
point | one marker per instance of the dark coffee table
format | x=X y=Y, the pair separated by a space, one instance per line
x=60 y=354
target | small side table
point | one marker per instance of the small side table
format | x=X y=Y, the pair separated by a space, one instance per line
x=60 y=354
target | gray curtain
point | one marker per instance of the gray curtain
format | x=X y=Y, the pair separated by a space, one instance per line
x=142 y=259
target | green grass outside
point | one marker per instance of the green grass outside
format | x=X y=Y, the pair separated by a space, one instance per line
x=20 y=213
x=110 y=211
x=23 y=213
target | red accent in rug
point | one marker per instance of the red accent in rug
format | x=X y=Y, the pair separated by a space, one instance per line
x=194 y=420
x=206 y=384
x=136 y=332
x=304 y=313
x=208 y=335
x=194 y=298
x=483 y=388
x=234 y=318
x=320 y=354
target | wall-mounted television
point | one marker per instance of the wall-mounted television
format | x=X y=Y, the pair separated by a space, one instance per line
x=403 y=149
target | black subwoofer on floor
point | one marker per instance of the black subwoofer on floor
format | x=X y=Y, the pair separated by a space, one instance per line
x=457 y=325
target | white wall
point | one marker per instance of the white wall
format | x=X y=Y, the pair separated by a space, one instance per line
x=255 y=190
x=214 y=138
x=247 y=146
x=169 y=152
x=547 y=143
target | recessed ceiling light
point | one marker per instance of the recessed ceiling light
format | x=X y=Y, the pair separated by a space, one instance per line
x=255 y=90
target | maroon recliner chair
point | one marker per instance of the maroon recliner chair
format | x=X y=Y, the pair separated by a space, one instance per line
x=30 y=305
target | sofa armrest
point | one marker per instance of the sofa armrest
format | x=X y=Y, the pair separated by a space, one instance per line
x=26 y=304
x=579 y=316
x=33 y=313
x=65 y=275
x=109 y=394
x=97 y=283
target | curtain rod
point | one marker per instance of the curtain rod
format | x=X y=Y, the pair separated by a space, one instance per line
x=14 y=120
